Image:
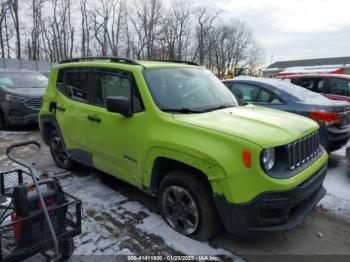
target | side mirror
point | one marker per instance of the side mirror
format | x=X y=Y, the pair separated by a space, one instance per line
x=119 y=104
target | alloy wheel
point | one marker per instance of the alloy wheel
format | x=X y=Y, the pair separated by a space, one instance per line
x=180 y=210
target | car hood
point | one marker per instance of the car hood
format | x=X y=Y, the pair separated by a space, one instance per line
x=27 y=92
x=262 y=126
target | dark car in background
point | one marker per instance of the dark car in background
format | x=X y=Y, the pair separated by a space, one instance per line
x=332 y=86
x=332 y=116
x=20 y=96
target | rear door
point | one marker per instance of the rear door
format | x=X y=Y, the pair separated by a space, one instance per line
x=72 y=101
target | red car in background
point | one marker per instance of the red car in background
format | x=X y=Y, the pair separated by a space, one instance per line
x=333 y=86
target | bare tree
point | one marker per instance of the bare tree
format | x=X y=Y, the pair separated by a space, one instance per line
x=256 y=56
x=143 y=29
x=100 y=16
x=85 y=29
x=13 y=7
x=60 y=31
x=243 y=37
x=145 y=17
x=175 y=29
x=3 y=25
x=34 y=46
x=204 y=24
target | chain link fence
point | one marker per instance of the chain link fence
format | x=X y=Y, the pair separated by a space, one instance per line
x=41 y=66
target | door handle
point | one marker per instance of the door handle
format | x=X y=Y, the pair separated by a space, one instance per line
x=94 y=119
x=60 y=108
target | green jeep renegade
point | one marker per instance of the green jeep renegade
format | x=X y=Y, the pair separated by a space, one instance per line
x=174 y=130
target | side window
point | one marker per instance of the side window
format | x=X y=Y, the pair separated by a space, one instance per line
x=105 y=85
x=312 y=84
x=307 y=83
x=319 y=85
x=245 y=92
x=74 y=84
x=339 y=87
x=295 y=81
x=268 y=97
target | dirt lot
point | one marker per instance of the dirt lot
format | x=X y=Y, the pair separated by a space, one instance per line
x=119 y=219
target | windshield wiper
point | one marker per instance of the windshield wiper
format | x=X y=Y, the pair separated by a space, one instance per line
x=182 y=110
x=217 y=108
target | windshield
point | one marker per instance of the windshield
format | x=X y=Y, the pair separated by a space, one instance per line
x=23 y=80
x=187 y=90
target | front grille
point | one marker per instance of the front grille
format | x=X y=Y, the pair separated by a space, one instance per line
x=303 y=150
x=33 y=103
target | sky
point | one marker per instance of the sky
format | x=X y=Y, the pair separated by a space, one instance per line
x=293 y=29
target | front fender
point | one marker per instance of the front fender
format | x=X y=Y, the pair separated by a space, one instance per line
x=208 y=167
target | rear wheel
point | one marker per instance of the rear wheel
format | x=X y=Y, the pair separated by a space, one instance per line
x=58 y=152
x=187 y=206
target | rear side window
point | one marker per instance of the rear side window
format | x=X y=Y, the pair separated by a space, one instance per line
x=107 y=84
x=245 y=92
x=74 y=84
x=339 y=86
x=268 y=97
x=312 y=84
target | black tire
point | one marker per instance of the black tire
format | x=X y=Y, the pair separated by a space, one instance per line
x=66 y=248
x=194 y=193
x=58 y=152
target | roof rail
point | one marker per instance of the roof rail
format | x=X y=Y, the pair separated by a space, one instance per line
x=177 y=61
x=111 y=58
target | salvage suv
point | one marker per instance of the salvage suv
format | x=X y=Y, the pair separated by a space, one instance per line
x=175 y=131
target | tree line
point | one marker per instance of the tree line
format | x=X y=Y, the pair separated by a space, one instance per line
x=53 y=30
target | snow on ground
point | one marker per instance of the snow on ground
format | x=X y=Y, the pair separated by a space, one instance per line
x=114 y=224
x=337 y=183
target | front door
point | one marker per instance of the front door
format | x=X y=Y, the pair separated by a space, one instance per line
x=114 y=140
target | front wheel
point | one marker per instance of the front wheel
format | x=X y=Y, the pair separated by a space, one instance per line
x=186 y=203
x=58 y=151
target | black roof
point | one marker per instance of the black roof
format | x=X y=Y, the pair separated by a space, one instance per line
x=311 y=62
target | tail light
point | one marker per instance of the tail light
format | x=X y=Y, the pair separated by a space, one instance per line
x=326 y=118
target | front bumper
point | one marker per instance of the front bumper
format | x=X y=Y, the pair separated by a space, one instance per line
x=17 y=113
x=333 y=139
x=273 y=211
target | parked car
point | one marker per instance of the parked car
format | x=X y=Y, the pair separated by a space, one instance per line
x=20 y=96
x=175 y=131
x=332 y=86
x=332 y=116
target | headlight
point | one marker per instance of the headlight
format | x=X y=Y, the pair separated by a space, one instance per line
x=268 y=158
x=7 y=97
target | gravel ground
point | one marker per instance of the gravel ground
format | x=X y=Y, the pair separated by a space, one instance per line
x=118 y=219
